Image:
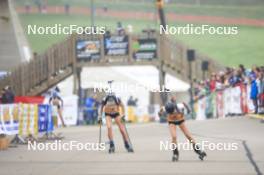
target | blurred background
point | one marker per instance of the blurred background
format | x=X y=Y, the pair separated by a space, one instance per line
x=245 y=48
x=136 y=17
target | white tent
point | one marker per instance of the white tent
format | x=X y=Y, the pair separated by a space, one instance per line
x=128 y=80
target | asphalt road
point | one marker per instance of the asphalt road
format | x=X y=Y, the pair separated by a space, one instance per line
x=247 y=133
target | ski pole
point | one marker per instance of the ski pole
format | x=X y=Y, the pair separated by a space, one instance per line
x=124 y=122
x=100 y=131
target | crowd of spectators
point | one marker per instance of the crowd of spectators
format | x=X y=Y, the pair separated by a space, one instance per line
x=132 y=101
x=7 y=96
x=232 y=77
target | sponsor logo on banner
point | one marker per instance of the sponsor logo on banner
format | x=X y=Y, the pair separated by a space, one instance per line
x=70 y=110
x=145 y=48
x=116 y=45
x=45 y=123
x=28 y=119
x=87 y=50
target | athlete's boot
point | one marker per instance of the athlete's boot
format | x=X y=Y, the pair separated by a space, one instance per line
x=198 y=151
x=175 y=156
x=112 y=147
x=128 y=147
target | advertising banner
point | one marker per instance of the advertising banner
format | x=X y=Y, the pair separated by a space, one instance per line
x=32 y=100
x=87 y=50
x=145 y=49
x=236 y=100
x=227 y=101
x=116 y=45
x=28 y=119
x=45 y=123
x=9 y=119
x=70 y=110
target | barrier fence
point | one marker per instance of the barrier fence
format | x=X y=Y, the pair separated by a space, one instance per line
x=33 y=119
x=25 y=119
x=223 y=103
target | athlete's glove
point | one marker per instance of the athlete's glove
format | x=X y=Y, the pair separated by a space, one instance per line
x=123 y=118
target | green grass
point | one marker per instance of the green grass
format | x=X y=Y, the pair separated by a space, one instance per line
x=253 y=10
x=41 y=42
x=247 y=47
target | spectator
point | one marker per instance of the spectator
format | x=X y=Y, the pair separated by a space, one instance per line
x=105 y=8
x=27 y=8
x=120 y=29
x=242 y=69
x=233 y=77
x=219 y=82
x=8 y=96
x=254 y=93
x=3 y=96
x=260 y=84
x=67 y=8
x=213 y=82
x=91 y=110
x=130 y=101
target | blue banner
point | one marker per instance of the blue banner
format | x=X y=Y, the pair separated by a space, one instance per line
x=45 y=123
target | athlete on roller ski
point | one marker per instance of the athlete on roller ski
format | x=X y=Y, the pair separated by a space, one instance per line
x=175 y=117
x=113 y=108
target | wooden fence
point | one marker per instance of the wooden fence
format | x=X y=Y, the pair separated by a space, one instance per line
x=42 y=71
x=59 y=61
x=174 y=56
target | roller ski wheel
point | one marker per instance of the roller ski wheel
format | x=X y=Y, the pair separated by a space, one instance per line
x=130 y=150
x=175 y=158
x=202 y=155
x=111 y=150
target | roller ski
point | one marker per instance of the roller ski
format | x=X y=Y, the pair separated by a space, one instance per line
x=111 y=148
x=202 y=155
x=128 y=147
x=198 y=151
x=175 y=156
